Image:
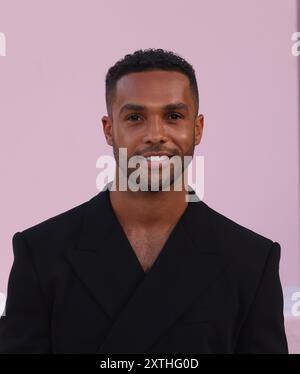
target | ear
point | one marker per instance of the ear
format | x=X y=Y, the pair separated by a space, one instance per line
x=199 y=124
x=107 y=129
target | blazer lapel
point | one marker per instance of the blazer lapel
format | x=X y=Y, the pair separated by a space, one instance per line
x=186 y=266
x=103 y=258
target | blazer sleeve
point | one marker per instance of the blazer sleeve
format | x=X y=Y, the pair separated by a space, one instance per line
x=24 y=327
x=263 y=330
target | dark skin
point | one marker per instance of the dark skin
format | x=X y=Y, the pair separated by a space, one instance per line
x=152 y=128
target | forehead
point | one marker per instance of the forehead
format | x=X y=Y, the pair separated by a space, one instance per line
x=153 y=88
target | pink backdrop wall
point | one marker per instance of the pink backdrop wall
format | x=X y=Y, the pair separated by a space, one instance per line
x=52 y=100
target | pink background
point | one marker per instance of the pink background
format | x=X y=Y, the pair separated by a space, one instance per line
x=52 y=100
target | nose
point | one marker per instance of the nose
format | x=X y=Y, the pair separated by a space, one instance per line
x=155 y=132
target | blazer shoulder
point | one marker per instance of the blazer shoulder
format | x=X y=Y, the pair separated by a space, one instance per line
x=238 y=241
x=246 y=251
x=229 y=228
x=63 y=224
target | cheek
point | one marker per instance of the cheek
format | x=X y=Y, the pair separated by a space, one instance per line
x=126 y=139
x=120 y=135
x=183 y=139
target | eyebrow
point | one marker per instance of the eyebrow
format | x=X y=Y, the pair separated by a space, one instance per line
x=137 y=107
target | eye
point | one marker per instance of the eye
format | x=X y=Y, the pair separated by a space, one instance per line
x=133 y=117
x=175 y=116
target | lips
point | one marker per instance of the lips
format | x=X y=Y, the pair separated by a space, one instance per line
x=157 y=154
x=157 y=158
x=156 y=161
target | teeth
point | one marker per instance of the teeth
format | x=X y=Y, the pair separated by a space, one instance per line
x=157 y=158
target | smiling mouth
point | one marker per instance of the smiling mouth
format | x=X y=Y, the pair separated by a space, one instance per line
x=158 y=162
x=157 y=158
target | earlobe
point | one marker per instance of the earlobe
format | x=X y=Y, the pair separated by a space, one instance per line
x=107 y=129
x=199 y=123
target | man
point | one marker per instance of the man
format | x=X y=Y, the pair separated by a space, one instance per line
x=145 y=271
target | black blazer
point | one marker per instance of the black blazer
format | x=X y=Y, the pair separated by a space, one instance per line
x=76 y=286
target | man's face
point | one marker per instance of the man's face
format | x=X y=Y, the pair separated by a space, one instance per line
x=153 y=112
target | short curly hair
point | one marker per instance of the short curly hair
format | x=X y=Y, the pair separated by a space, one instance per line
x=146 y=60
